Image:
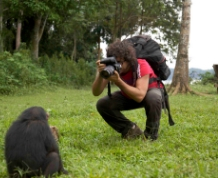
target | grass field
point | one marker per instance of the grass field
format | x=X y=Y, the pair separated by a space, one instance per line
x=91 y=149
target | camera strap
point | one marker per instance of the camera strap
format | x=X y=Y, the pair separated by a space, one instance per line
x=109 y=89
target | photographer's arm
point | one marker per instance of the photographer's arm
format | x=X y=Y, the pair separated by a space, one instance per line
x=99 y=83
x=136 y=93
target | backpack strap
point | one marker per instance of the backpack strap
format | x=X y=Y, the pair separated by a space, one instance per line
x=166 y=104
x=151 y=80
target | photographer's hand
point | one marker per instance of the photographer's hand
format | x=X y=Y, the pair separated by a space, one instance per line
x=99 y=83
x=115 y=77
x=100 y=66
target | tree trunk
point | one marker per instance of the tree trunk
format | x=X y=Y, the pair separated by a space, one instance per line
x=36 y=37
x=99 y=47
x=120 y=20
x=73 y=55
x=18 y=35
x=115 y=26
x=1 y=25
x=141 y=20
x=180 y=82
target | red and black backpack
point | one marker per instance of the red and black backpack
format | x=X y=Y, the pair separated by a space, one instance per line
x=148 y=49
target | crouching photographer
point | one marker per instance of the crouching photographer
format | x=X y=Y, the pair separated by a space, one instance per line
x=131 y=76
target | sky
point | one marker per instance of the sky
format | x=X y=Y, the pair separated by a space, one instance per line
x=203 y=43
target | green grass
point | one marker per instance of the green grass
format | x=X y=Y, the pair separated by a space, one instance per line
x=91 y=149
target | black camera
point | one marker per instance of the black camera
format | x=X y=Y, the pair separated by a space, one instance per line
x=111 y=65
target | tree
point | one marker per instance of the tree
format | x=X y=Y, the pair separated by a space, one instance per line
x=19 y=28
x=1 y=25
x=76 y=28
x=158 y=17
x=23 y=9
x=180 y=81
x=72 y=34
x=38 y=30
x=162 y=19
x=36 y=13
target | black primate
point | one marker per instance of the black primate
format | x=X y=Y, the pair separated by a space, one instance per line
x=30 y=146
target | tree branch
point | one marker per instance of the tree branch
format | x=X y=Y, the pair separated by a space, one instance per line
x=42 y=28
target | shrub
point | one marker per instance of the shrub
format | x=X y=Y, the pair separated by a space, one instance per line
x=208 y=77
x=61 y=70
x=18 y=70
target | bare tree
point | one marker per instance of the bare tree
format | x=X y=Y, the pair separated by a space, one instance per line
x=180 y=82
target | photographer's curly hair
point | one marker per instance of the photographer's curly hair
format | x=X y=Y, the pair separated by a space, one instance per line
x=124 y=50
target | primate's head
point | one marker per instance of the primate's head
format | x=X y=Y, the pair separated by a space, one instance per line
x=34 y=113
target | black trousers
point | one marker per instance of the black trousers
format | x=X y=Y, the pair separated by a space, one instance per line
x=110 y=109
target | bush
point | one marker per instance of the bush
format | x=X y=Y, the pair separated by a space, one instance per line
x=19 y=71
x=63 y=71
x=208 y=77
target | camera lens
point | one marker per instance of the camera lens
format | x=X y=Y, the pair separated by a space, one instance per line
x=107 y=72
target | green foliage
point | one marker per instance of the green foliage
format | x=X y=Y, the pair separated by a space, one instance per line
x=63 y=71
x=81 y=25
x=208 y=77
x=17 y=70
x=91 y=149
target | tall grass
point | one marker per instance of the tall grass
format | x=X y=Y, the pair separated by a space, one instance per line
x=91 y=149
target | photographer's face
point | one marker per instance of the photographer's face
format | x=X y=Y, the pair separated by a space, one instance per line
x=125 y=66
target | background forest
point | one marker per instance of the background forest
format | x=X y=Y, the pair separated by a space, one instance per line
x=58 y=42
